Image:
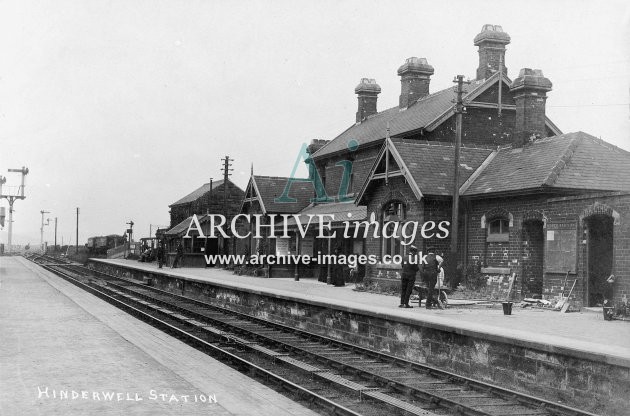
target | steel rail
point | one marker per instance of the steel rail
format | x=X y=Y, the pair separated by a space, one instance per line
x=208 y=348
x=503 y=393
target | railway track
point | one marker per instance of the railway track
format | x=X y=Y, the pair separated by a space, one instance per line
x=334 y=376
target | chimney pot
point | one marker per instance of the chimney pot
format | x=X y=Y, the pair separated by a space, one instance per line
x=367 y=92
x=491 y=42
x=415 y=77
x=530 y=94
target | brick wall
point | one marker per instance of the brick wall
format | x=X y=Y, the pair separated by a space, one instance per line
x=428 y=209
x=577 y=378
x=523 y=252
x=530 y=116
x=362 y=161
x=378 y=195
x=491 y=95
x=200 y=206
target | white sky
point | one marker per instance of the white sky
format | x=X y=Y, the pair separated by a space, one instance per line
x=122 y=107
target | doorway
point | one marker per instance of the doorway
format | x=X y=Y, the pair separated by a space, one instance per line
x=211 y=247
x=600 y=257
x=533 y=244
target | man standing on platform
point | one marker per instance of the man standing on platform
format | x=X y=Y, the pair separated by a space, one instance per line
x=179 y=256
x=160 y=254
x=409 y=270
x=429 y=275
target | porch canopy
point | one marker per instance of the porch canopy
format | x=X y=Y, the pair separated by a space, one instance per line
x=342 y=211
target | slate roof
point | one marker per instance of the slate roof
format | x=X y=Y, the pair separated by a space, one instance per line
x=271 y=187
x=418 y=115
x=431 y=165
x=424 y=113
x=339 y=209
x=179 y=228
x=197 y=193
x=568 y=161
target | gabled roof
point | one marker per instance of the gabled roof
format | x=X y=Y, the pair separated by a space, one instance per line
x=198 y=193
x=428 y=167
x=569 y=161
x=432 y=165
x=268 y=188
x=426 y=113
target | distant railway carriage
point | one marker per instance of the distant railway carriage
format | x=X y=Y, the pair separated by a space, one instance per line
x=99 y=245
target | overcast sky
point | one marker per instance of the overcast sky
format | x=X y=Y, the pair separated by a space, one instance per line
x=122 y=107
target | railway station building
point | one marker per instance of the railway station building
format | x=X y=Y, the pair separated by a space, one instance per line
x=217 y=198
x=548 y=207
x=261 y=196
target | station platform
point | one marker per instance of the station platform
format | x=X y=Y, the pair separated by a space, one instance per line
x=586 y=332
x=65 y=352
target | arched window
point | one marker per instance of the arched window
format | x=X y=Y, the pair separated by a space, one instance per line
x=393 y=212
x=498 y=230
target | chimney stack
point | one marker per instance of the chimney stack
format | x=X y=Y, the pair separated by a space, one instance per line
x=491 y=41
x=367 y=91
x=415 y=76
x=530 y=93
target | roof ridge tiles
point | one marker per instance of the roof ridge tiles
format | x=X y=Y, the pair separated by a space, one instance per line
x=432 y=143
x=564 y=160
x=602 y=142
x=272 y=177
x=426 y=97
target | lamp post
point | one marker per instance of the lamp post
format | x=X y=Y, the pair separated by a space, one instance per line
x=12 y=199
x=41 y=230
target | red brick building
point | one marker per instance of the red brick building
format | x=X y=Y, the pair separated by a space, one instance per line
x=555 y=205
x=535 y=202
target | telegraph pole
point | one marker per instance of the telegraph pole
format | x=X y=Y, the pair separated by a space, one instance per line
x=55 y=234
x=500 y=101
x=12 y=199
x=459 y=110
x=41 y=230
x=209 y=197
x=227 y=163
x=77 y=246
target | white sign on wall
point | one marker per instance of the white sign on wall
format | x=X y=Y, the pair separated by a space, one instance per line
x=282 y=247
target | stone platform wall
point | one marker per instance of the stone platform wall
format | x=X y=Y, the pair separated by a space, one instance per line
x=580 y=379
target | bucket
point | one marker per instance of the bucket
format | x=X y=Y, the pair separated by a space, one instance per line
x=507 y=308
x=608 y=313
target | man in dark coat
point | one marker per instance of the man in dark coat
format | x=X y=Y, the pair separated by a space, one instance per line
x=160 y=255
x=337 y=277
x=179 y=256
x=408 y=278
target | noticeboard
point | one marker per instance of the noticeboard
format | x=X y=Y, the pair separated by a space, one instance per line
x=307 y=246
x=282 y=247
x=561 y=247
